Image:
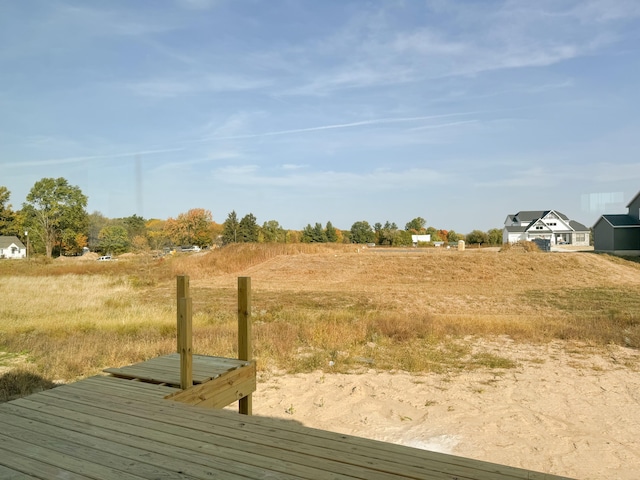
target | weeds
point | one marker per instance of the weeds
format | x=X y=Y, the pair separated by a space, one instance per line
x=316 y=307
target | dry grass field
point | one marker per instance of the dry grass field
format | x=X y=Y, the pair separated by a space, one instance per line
x=331 y=307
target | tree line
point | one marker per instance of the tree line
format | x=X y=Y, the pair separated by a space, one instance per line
x=54 y=219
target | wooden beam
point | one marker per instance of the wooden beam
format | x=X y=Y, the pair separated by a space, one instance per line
x=218 y=393
x=182 y=290
x=184 y=332
x=244 y=333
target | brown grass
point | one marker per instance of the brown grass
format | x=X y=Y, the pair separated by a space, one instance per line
x=317 y=306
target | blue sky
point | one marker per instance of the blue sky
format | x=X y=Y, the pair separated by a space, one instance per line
x=307 y=111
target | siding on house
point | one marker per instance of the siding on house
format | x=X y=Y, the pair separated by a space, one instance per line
x=619 y=234
x=12 y=247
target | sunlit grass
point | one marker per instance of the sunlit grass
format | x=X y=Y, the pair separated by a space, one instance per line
x=316 y=307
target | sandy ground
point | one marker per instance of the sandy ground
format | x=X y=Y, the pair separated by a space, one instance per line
x=571 y=412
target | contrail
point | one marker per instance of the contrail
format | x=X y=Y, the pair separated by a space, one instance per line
x=61 y=161
x=340 y=125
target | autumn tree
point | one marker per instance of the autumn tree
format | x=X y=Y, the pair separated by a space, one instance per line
x=190 y=228
x=416 y=226
x=53 y=210
x=156 y=234
x=331 y=233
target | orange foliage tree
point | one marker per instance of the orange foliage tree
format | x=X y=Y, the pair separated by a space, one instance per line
x=190 y=228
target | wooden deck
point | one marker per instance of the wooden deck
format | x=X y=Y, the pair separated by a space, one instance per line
x=113 y=428
x=217 y=381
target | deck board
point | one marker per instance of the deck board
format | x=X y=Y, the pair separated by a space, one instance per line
x=163 y=369
x=108 y=427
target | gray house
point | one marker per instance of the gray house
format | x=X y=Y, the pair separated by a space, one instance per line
x=12 y=247
x=619 y=234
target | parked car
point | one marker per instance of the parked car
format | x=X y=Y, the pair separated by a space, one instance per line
x=105 y=258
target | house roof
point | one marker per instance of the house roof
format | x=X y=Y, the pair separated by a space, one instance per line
x=7 y=241
x=532 y=215
x=577 y=226
x=515 y=228
x=621 y=220
x=633 y=199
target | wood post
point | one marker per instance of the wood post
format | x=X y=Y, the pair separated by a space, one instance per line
x=244 y=333
x=184 y=319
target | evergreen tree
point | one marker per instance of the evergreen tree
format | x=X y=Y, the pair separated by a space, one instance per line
x=231 y=229
x=307 y=234
x=8 y=223
x=319 y=236
x=248 y=228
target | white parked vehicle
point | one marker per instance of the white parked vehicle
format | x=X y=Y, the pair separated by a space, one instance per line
x=105 y=258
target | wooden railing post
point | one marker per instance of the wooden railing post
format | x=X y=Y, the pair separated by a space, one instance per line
x=244 y=333
x=184 y=318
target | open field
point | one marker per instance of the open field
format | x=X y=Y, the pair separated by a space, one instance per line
x=413 y=310
x=527 y=359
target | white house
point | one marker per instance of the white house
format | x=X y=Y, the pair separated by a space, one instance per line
x=12 y=247
x=420 y=239
x=545 y=225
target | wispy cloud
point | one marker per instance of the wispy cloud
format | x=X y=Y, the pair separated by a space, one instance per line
x=88 y=158
x=195 y=84
x=482 y=38
x=379 y=179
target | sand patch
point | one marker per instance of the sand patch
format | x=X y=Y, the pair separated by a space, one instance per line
x=565 y=411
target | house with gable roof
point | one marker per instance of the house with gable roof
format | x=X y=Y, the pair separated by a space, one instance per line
x=12 y=247
x=619 y=234
x=532 y=225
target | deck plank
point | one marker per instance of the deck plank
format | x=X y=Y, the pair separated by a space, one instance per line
x=209 y=433
x=166 y=369
x=107 y=427
x=149 y=459
x=303 y=444
x=178 y=444
x=53 y=463
x=7 y=473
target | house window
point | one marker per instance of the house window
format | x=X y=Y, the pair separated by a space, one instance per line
x=580 y=237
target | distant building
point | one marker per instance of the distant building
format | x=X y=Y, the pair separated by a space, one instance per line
x=420 y=239
x=544 y=225
x=12 y=247
x=619 y=234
